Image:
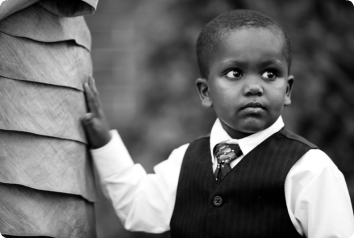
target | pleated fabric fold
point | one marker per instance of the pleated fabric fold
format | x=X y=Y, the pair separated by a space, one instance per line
x=69 y=8
x=62 y=63
x=45 y=163
x=47 y=185
x=29 y=212
x=39 y=24
x=41 y=109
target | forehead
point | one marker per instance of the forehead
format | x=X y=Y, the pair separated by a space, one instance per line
x=251 y=44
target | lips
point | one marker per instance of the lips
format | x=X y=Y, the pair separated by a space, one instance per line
x=254 y=105
x=253 y=108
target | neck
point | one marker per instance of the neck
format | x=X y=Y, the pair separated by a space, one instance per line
x=234 y=134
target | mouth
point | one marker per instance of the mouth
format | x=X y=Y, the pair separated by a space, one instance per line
x=254 y=105
x=253 y=108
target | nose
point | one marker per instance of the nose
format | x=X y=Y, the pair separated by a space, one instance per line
x=253 y=87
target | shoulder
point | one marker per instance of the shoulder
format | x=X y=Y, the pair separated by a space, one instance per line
x=201 y=140
x=316 y=161
x=294 y=137
x=314 y=165
x=190 y=145
x=180 y=150
x=174 y=161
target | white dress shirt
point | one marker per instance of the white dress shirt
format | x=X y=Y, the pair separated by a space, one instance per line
x=316 y=194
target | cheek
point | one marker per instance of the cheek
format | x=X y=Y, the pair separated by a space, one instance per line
x=222 y=105
x=277 y=96
x=277 y=103
x=223 y=99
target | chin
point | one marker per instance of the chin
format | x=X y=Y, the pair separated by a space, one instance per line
x=252 y=126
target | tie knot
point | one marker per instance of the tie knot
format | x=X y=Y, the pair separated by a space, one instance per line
x=225 y=153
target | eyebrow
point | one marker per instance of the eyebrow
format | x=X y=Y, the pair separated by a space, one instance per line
x=229 y=63
x=262 y=63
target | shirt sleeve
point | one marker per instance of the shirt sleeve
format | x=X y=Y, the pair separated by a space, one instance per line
x=70 y=8
x=143 y=202
x=318 y=199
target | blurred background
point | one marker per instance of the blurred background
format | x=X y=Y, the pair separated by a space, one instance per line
x=145 y=67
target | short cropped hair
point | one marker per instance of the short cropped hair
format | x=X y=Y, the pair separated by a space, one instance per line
x=212 y=33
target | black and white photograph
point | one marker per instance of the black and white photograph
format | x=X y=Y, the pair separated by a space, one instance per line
x=176 y=118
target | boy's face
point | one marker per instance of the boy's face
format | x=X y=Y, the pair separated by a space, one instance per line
x=248 y=82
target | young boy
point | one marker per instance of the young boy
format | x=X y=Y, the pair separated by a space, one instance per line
x=251 y=177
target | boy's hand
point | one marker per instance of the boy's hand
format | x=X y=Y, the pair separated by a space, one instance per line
x=95 y=123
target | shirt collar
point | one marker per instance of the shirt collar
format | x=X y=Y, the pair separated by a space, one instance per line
x=247 y=144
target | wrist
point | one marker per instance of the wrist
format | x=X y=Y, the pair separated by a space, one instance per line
x=101 y=140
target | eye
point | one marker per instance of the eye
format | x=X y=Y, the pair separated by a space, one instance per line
x=234 y=74
x=269 y=75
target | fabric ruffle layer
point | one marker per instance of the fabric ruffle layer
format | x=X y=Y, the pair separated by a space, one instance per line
x=46 y=178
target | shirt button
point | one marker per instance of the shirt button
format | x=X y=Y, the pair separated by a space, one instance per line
x=217 y=201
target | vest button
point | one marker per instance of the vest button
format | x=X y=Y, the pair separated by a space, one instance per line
x=217 y=201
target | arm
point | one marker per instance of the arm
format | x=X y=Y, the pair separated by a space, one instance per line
x=317 y=198
x=9 y=7
x=143 y=202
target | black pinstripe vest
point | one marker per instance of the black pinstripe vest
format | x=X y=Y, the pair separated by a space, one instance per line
x=248 y=203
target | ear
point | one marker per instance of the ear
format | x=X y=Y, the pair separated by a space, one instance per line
x=289 y=88
x=203 y=91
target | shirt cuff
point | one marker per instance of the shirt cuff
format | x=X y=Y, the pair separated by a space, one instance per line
x=113 y=157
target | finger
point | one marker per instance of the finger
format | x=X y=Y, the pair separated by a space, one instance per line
x=91 y=99
x=93 y=88
x=93 y=85
x=87 y=118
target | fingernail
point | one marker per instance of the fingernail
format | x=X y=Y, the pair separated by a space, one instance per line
x=88 y=116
